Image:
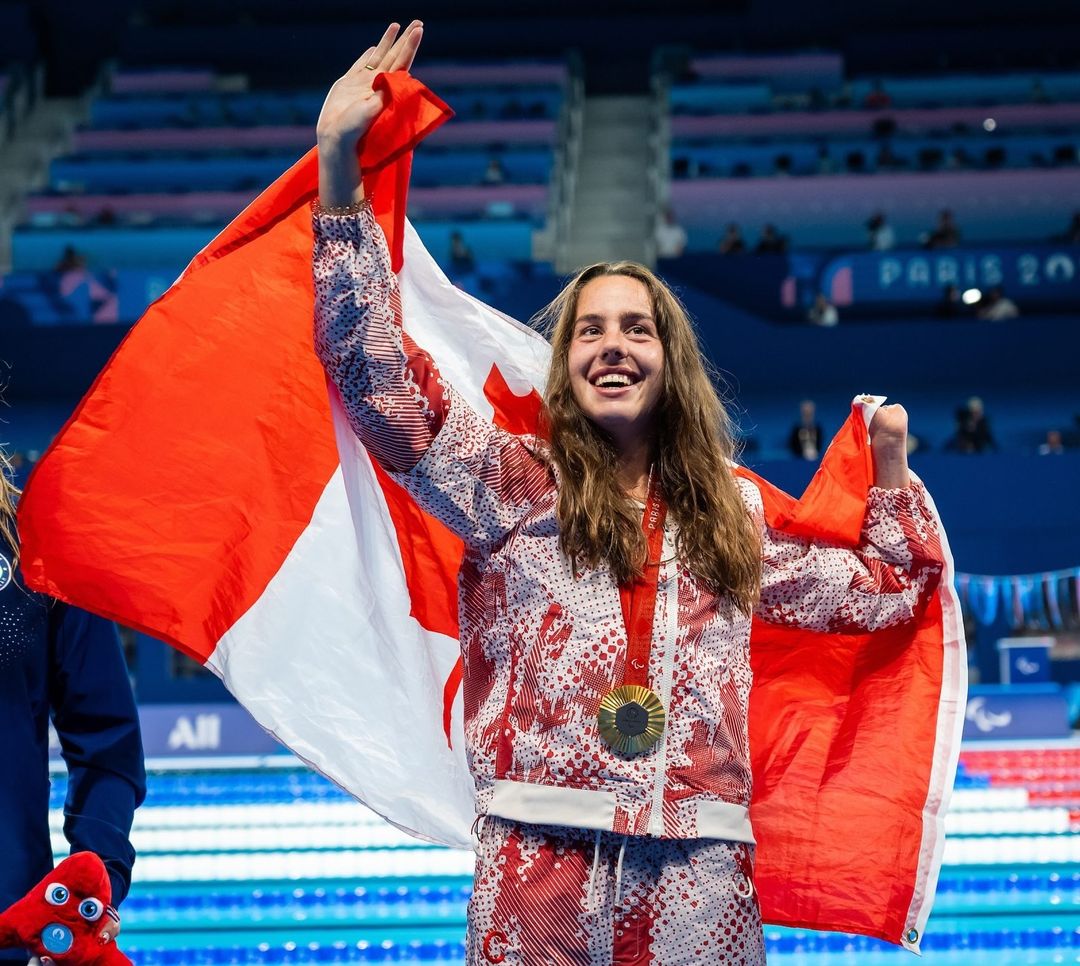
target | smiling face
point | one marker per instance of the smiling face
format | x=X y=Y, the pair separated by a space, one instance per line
x=615 y=359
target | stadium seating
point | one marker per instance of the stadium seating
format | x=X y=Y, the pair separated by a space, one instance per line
x=170 y=155
x=789 y=141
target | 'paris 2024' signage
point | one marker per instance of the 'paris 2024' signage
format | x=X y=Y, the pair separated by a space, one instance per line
x=1029 y=275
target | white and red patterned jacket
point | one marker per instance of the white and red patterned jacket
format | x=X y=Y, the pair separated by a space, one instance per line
x=541 y=646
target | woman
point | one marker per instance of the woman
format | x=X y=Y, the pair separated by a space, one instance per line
x=58 y=661
x=610 y=573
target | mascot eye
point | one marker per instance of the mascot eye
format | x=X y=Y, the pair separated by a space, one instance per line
x=91 y=909
x=56 y=894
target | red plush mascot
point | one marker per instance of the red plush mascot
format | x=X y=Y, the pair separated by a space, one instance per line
x=60 y=918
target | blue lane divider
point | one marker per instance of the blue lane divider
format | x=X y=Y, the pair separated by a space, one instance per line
x=794 y=944
x=281 y=955
x=148 y=903
x=1050 y=889
x=223 y=788
x=243 y=788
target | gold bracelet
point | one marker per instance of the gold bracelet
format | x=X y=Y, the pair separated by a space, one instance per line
x=339 y=211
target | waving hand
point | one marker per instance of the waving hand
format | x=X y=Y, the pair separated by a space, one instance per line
x=350 y=109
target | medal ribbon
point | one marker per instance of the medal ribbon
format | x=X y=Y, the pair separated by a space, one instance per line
x=638 y=597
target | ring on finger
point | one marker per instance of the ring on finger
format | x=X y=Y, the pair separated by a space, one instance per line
x=369 y=67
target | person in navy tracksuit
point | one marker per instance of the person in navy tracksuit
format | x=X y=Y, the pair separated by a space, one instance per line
x=58 y=661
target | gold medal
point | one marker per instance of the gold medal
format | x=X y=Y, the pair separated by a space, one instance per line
x=631 y=719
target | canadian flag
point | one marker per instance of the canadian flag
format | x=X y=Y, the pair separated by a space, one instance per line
x=208 y=492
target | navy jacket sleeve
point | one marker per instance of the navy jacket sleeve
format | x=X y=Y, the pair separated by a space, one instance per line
x=98 y=726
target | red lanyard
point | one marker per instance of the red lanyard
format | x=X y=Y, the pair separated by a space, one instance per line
x=638 y=597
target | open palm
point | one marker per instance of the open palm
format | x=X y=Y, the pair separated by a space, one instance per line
x=352 y=104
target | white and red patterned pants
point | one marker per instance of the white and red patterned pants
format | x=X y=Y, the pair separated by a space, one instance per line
x=552 y=896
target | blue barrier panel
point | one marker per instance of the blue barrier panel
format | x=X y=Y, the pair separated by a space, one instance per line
x=186 y=730
x=1016 y=711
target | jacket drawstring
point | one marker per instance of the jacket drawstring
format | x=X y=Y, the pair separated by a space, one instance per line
x=618 y=869
x=477 y=832
x=595 y=868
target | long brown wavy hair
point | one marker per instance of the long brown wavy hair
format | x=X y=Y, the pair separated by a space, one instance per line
x=692 y=452
x=9 y=495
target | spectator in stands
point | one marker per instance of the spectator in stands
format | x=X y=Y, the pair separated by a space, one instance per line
x=952 y=304
x=1038 y=92
x=973 y=433
x=1054 y=446
x=60 y=662
x=979 y=425
x=805 y=438
x=782 y=165
x=1064 y=153
x=877 y=98
x=879 y=233
x=461 y=256
x=855 y=162
x=959 y=441
x=823 y=312
x=995 y=306
x=732 y=243
x=946 y=233
x=670 y=235
x=771 y=242
x=71 y=260
x=494 y=173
